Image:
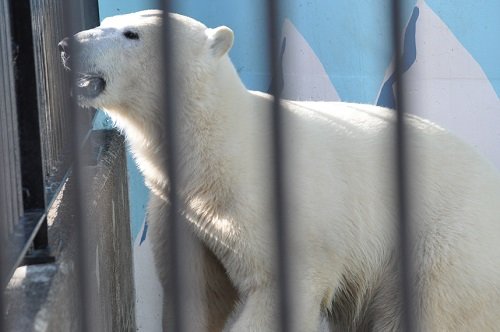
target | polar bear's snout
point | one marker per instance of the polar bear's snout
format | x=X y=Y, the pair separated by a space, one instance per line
x=88 y=85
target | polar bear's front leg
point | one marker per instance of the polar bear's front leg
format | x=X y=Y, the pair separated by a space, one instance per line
x=211 y=296
x=258 y=312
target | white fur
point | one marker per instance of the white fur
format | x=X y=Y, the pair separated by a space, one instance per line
x=340 y=193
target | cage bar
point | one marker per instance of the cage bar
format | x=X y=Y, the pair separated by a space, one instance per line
x=11 y=203
x=277 y=168
x=401 y=158
x=73 y=12
x=177 y=286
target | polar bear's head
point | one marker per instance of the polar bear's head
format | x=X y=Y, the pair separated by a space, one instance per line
x=118 y=63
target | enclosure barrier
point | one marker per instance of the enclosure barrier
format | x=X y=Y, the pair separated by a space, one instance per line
x=24 y=206
x=36 y=159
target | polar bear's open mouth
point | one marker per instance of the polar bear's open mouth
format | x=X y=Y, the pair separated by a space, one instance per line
x=90 y=85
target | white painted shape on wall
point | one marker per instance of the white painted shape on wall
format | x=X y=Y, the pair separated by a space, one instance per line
x=148 y=290
x=304 y=76
x=447 y=86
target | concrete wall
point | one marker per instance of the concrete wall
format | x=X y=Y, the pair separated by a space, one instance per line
x=44 y=297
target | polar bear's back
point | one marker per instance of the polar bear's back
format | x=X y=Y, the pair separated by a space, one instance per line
x=342 y=166
x=360 y=141
x=351 y=147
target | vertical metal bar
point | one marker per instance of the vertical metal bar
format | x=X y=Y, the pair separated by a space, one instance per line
x=27 y=104
x=73 y=21
x=285 y=296
x=3 y=267
x=401 y=158
x=8 y=127
x=10 y=186
x=177 y=285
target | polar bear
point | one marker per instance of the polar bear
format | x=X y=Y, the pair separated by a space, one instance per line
x=339 y=182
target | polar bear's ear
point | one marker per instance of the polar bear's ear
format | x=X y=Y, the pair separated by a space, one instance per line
x=221 y=40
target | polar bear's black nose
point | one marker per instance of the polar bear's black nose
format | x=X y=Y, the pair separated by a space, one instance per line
x=64 y=45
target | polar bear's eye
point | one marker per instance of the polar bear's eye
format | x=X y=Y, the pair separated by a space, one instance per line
x=131 y=35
